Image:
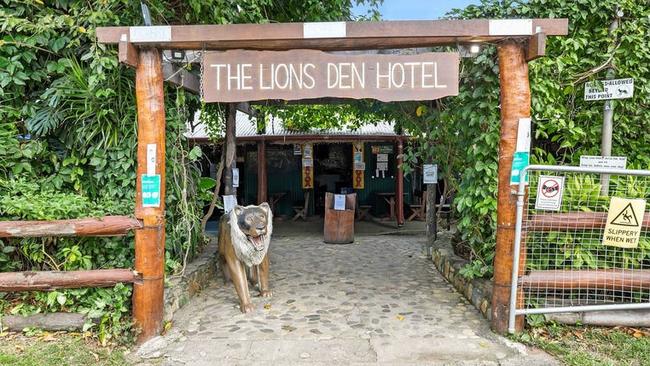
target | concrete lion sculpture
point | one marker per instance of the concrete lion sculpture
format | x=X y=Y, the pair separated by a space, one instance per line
x=244 y=238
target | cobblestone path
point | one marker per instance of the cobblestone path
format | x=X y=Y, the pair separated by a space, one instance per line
x=373 y=302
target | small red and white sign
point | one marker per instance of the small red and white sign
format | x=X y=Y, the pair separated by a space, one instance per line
x=549 y=193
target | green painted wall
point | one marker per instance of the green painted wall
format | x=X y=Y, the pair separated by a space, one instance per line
x=283 y=169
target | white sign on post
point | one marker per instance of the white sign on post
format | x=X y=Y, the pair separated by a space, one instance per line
x=609 y=89
x=339 y=202
x=229 y=202
x=549 y=193
x=235 y=177
x=613 y=162
x=430 y=174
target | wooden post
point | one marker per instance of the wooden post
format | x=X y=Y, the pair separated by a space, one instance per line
x=230 y=146
x=150 y=240
x=515 y=104
x=261 y=172
x=399 y=186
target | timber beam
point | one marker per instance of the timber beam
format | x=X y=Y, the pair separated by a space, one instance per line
x=332 y=36
x=53 y=280
x=572 y=221
x=536 y=46
x=104 y=226
x=621 y=280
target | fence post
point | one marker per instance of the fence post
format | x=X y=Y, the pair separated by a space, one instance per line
x=150 y=240
x=515 y=104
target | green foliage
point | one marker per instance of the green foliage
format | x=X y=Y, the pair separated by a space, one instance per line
x=68 y=132
x=564 y=125
x=586 y=346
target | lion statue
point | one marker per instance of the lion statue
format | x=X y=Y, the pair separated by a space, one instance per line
x=244 y=238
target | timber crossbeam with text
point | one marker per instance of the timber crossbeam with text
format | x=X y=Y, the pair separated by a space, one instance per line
x=334 y=36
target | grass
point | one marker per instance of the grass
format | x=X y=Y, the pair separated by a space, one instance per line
x=56 y=349
x=587 y=346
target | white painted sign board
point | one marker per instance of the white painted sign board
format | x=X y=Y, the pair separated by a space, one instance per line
x=612 y=162
x=430 y=174
x=549 y=193
x=609 y=89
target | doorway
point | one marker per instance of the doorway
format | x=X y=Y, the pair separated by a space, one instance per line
x=332 y=171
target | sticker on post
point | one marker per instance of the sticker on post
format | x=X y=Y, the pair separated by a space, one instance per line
x=339 y=202
x=549 y=193
x=520 y=161
x=229 y=202
x=624 y=220
x=430 y=174
x=150 y=185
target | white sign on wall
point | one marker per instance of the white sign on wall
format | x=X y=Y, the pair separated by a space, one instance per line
x=430 y=174
x=614 y=162
x=609 y=89
x=549 y=193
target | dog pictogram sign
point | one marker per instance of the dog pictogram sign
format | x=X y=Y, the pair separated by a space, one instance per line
x=624 y=221
x=549 y=193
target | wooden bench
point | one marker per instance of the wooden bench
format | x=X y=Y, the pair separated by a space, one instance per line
x=419 y=210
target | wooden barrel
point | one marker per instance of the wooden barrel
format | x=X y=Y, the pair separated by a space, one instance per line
x=339 y=224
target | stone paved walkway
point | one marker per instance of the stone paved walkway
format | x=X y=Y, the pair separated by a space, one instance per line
x=373 y=302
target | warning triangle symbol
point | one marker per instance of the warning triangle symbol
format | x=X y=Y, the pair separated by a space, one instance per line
x=627 y=217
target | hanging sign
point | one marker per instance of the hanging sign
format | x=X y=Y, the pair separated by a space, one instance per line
x=235 y=177
x=150 y=185
x=624 y=220
x=616 y=162
x=242 y=76
x=549 y=193
x=307 y=166
x=358 y=166
x=297 y=149
x=609 y=89
x=382 y=149
x=430 y=174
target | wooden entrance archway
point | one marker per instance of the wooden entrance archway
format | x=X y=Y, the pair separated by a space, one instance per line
x=519 y=41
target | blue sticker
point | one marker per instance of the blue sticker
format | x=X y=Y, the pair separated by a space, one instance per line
x=150 y=190
x=520 y=160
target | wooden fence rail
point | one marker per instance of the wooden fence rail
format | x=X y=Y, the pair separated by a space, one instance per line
x=104 y=226
x=613 y=279
x=571 y=221
x=53 y=280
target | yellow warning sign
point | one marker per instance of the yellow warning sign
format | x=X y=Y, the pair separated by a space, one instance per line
x=624 y=220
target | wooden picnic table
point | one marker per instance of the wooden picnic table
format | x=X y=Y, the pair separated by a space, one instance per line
x=389 y=197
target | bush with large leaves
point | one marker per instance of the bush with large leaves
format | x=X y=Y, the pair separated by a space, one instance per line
x=68 y=131
x=564 y=125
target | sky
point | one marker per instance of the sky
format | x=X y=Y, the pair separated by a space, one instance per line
x=415 y=9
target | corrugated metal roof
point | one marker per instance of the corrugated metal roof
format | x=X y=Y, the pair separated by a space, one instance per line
x=246 y=127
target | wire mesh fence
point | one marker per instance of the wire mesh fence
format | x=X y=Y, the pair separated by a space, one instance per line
x=583 y=241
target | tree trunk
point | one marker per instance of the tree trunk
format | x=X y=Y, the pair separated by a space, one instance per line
x=515 y=104
x=230 y=150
